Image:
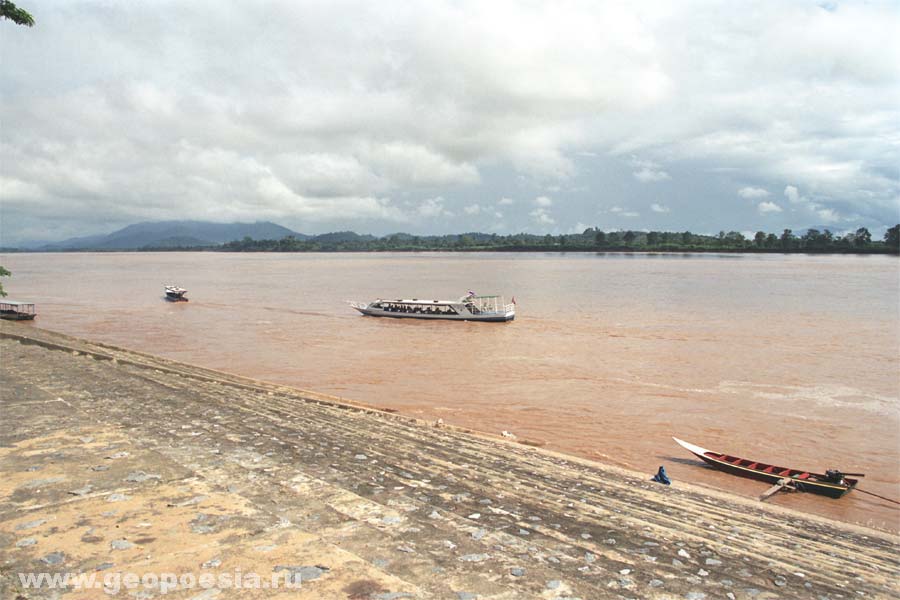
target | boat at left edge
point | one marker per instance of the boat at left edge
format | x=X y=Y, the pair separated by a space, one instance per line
x=12 y=310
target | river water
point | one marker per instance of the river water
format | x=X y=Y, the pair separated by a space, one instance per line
x=791 y=360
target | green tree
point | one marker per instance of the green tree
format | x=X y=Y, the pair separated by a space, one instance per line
x=771 y=241
x=687 y=238
x=760 y=239
x=735 y=238
x=629 y=237
x=787 y=239
x=892 y=238
x=3 y=273
x=812 y=239
x=653 y=238
x=10 y=11
x=600 y=238
x=863 y=238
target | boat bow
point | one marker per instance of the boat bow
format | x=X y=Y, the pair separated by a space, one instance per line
x=691 y=447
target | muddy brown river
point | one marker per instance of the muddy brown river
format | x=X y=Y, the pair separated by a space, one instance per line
x=791 y=360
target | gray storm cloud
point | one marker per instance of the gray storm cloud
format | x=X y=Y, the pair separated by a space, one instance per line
x=386 y=116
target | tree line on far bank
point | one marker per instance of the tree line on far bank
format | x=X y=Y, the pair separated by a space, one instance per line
x=591 y=239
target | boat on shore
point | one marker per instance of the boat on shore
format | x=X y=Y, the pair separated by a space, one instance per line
x=467 y=308
x=17 y=311
x=175 y=294
x=832 y=483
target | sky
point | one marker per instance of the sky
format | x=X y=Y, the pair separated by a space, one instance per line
x=450 y=116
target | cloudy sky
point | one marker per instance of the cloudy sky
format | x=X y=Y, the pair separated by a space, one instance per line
x=450 y=116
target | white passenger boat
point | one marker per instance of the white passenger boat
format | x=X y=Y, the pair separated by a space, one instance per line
x=467 y=308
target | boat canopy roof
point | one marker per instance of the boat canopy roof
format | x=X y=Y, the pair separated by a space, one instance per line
x=15 y=303
x=420 y=302
x=417 y=301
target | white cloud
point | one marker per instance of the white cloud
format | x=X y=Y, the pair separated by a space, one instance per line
x=472 y=209
x=12 y=190
x=274 y=192
x=543 y=201
x=812 y=208
x=506 y=202
x=793 y=194
x=659 y=208
x=578 y=227
x=829 y=215
x=768 y=207
x=415 y=164
x=432 y=208
x=350 y=106
x=648 y=171
x=542 y=216
x=618 y=210
x=751 y=193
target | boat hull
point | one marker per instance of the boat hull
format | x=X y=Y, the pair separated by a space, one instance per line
x=14 y=316
x=742 y=469
x=489 y=318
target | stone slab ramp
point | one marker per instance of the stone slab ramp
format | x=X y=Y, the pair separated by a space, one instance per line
x=194 y=471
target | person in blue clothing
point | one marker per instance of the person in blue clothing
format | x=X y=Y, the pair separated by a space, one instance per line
x=661 y=476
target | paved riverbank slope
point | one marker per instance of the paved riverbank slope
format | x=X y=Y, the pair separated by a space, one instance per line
x=115 y=461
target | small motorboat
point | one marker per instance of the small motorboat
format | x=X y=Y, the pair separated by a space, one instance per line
x=832 y=483
x=175 y=294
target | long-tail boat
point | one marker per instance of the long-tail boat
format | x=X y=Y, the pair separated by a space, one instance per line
x=832 y=483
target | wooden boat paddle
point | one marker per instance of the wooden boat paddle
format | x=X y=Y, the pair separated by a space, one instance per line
x=783 y=484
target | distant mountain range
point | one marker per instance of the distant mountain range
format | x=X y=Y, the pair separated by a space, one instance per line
x=267 y=236
x=172 y=234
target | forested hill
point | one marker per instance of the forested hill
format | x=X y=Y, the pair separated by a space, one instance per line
x=270 y=237
x=811 y=241
x=171 y=234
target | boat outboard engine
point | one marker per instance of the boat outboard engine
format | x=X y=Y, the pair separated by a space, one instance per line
x=834 y=476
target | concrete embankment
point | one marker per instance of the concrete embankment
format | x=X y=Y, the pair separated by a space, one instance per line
x=118 y=462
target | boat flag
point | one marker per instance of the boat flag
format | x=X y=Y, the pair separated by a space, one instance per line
x=471 y=293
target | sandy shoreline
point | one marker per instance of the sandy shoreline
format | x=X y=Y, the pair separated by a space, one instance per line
x=218 y=470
